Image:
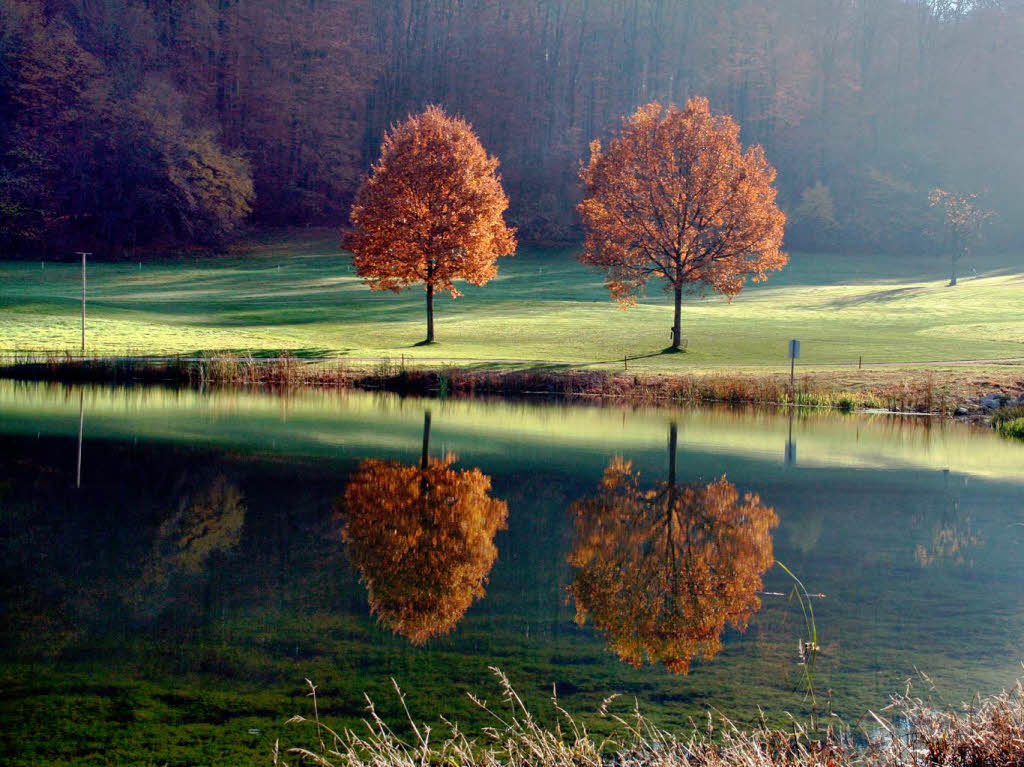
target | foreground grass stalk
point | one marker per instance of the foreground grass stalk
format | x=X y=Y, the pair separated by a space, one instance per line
x=908 y=733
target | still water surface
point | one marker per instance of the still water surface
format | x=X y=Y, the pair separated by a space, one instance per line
x=169 y=579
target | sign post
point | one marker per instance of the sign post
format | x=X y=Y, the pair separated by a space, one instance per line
x=794 y=352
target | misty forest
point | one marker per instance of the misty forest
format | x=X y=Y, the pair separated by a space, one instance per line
x=224 y=113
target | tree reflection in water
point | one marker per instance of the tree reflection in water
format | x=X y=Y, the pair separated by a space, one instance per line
x=422 y=539
x=208 y=522
x=661 y=571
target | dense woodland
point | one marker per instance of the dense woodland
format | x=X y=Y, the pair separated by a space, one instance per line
x=131 y=124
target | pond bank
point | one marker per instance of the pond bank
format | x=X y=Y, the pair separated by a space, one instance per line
x=964 y=393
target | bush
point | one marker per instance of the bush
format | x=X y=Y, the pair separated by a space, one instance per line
x=1011 y=428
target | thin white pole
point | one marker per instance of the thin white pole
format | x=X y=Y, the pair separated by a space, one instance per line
x=81 y=424
x=83 y=255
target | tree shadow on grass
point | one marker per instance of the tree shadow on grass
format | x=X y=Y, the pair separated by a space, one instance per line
x=304 y=353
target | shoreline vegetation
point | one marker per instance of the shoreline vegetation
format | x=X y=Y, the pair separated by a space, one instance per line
x=910 y=732
x=965 y=393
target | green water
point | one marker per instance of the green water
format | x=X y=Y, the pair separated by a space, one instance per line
x=164 y=603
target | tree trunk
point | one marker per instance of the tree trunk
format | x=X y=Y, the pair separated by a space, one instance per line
x=673 y=439
x=952 y=270
x=424 y=458
x=430 y=314
x=677 y=321
x=426 y=440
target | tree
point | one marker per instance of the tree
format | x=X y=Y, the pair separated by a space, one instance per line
x=814 y=215
x=422 y=538
x=674 y=196
x=962 y=220
x=430 y=211
x=661 y=571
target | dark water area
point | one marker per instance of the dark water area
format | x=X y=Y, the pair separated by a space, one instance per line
x=176 y=564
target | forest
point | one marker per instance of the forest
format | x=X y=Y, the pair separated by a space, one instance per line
x=128 y=124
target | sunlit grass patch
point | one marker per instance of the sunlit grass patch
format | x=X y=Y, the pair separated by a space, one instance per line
x=302 y=292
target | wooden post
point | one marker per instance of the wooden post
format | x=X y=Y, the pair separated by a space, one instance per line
x=794 y=352
x=625 y=363
x=860 y=362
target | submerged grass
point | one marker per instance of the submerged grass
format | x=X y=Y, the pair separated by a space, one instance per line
x=909 y=733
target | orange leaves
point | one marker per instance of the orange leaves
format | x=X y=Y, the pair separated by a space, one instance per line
x=674 y=196
x=422 y=539
x=431 y=210
x=661 y=571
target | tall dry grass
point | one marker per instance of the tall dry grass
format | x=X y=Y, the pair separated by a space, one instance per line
x=897 y=391
x=909 y=733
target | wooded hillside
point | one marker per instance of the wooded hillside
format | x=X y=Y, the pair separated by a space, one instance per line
x=140 y=123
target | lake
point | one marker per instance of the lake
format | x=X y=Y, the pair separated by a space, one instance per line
x=176 y=563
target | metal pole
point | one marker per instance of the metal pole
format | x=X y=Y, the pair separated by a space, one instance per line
x=83 y=255
x=81 y=424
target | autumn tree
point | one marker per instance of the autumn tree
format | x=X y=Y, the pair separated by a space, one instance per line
x=430 y=211
x=661 y=571
x=962 y=221
x=675 y=197
x=422 y=539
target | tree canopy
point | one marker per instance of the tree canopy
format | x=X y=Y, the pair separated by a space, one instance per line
x=431 y=211
x=674 y=197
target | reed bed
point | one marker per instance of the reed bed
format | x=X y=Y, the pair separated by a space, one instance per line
x=909 y=733
x=892 y=390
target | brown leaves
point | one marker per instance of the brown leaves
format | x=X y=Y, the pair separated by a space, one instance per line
x=674 y=196
x=661 y=571
x=431 y=211
x=422 y=540
x=961 y=213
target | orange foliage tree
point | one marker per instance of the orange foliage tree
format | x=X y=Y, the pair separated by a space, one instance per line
x=422 y=538
x=661 y=571
x=675 y=196
x=431 y=211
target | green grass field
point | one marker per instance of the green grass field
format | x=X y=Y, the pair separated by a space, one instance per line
x=299 y=293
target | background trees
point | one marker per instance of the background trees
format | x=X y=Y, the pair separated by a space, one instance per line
x=431 y=211
x=674 y=197
x=878 y=100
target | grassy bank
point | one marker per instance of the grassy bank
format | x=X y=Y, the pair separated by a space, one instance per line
x=910 y=733
x=300 y=293
x=949 y=391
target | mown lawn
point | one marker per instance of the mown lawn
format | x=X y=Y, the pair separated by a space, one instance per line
x=300 y=293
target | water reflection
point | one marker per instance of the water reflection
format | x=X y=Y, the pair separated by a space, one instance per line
x=951 y=533
x=422 y=539
x=661 y=571
x=207 y=523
